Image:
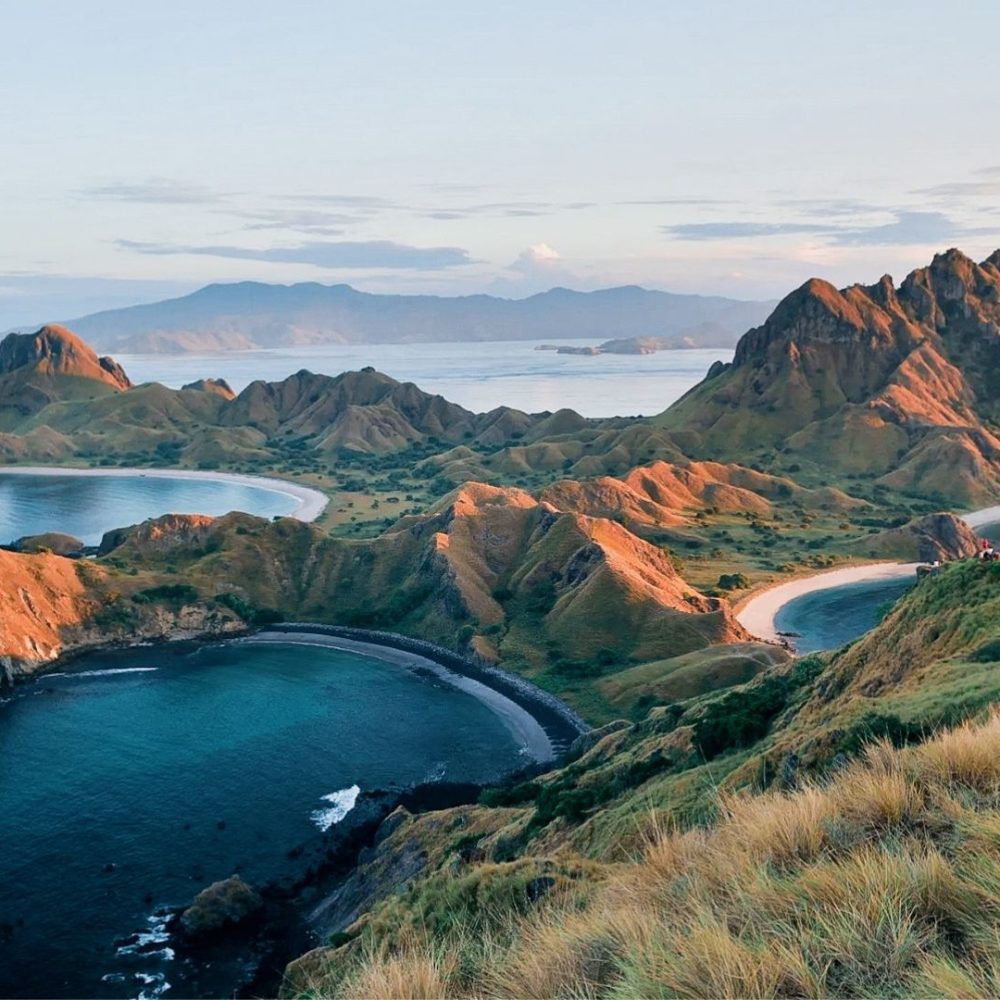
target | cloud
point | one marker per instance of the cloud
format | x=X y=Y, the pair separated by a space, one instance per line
x=735 y=230
x=679 y=201
x=155 y=191
x=536 y=257
x=305 y=220
x=908 y=228
x=333 y=255
x=501 y=209
x=962 y=189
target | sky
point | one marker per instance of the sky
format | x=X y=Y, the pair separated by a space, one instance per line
x=461 y=147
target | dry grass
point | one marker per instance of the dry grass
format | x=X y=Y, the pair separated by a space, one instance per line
x=884 y=882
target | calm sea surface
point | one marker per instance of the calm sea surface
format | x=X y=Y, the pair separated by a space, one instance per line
x=179 y=767
x=87 y=506
x=478 y=376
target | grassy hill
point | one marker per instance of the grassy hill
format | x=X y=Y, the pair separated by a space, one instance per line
x=719 y=847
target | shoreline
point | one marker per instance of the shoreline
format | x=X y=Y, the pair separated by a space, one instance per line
x=758 y=612
x=311 y=501
x=542 y=722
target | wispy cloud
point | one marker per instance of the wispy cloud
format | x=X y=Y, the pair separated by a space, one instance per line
x=735 y=230
x=154 y=191
x=372 y=254
x=962 y=189
x=908 y=228
x=679 y=201
x=904 y=229
x=304 y=220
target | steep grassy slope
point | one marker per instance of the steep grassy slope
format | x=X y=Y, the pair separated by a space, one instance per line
x=879 y=883
x=655 y=864
x=897 y=383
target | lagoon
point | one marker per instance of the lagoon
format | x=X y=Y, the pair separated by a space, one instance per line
x=178 y=765
x=87 y=502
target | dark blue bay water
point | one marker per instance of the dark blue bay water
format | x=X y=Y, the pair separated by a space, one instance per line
x=826 y=619
x=87 y=506
x=197 y=763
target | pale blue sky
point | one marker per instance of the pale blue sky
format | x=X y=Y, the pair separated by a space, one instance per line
x=456 y=147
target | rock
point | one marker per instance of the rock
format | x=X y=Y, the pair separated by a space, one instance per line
x=222 y=905
x=49 y=541
x=585 y=741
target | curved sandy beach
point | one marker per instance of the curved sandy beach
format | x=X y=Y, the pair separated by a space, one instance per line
x=519 y=721
x=757 y=615
x=311 y=502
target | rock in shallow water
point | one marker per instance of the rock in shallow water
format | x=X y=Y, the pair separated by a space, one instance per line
x=223 y=904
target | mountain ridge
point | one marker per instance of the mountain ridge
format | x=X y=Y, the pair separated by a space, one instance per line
x=900 y=383
x=248 y=315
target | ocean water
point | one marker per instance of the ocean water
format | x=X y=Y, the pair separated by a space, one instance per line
x=181 y=765
x=477 y=376
x=87 y=506
x=826 y=619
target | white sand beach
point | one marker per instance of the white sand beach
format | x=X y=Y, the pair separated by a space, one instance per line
x=311 y=502
x=757 y=614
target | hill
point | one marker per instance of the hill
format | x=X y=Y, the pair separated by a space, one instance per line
x=897 y=384
x=769 y=839
x=252 y=315
x=49 y=365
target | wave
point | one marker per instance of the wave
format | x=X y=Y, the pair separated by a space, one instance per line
x=342 y=803
x=104 y=673
x=156 y=980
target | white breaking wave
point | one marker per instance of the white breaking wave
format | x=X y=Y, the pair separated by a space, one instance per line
x=105 y=673
x=342 y=803
x=156 y=980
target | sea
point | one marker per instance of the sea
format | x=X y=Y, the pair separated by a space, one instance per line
x=477 y=376
x=136 y=778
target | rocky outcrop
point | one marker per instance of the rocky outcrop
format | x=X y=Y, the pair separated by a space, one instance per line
x=222 y=906
x=933 y=537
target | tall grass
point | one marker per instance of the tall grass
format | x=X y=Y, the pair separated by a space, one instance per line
x=883 y=882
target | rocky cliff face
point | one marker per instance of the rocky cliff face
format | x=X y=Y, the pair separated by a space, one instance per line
x=869 y=379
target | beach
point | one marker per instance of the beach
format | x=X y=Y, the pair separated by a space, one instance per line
x=758 y=613
x=311 y=502
x=518 y=720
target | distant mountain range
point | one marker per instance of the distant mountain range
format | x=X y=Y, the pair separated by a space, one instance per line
x=248 y=315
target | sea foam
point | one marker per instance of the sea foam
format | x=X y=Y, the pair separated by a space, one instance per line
x=342 y=803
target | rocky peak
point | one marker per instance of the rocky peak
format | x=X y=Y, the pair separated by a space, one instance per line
x=55 y=350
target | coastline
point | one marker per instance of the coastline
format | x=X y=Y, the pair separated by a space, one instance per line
x=758 y=612
x=311 y=502
x=539 y=720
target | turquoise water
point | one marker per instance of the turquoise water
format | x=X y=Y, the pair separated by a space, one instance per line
x=197 y=763
x=826 y=619
x=87 y=506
